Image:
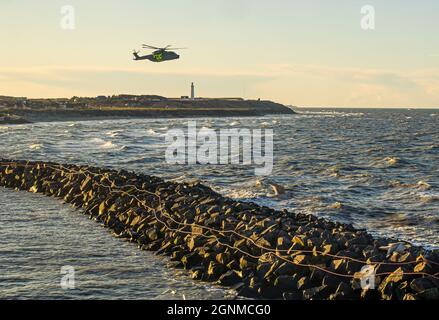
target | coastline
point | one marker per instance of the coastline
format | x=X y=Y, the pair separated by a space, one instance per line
x=261 y=252
x=8 y=119
x=95 y=109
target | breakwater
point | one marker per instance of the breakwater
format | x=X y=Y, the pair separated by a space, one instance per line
x=260 y=252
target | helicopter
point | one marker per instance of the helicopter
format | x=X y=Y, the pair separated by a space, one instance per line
x=159 y=55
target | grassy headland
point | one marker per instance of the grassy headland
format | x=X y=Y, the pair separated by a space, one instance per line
x=131 y=106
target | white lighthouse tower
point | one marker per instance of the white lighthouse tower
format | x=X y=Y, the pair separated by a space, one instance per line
x=192 y=91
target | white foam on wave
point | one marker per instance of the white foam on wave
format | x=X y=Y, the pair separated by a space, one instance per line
x=241 y=193
x=331 y=113
x=392 y=161
x=152 y=132
x=420 y=185
x=108 y=145
x=36 y=146
x=114 y=133
x=102 y=144
x=428 y=196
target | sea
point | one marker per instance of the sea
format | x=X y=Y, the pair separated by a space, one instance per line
x=377 y=169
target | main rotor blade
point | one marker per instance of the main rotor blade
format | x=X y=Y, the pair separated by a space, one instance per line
x=176 y=48
x=150 y=47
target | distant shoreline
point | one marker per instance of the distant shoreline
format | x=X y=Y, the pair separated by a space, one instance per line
x=90 y=115
x=128 y=107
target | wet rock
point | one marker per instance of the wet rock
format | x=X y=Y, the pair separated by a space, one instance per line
x=215 y=270
x=195 y=206
x=197 y=273
x=286 y=268
x=245 y=263
x=152 y=234
x=250 y=292
x=353 y=266
x=230 y=278
x=286 y=283
x=194 y=242
x=283 y=243
x=223 y=258
x=262 y=269
x=421 y=284
x=429 y=294
x=389 y=284
x=344 y=291
x=300 y=241
x=314 y=293
x=331 y=281
x=292 y=296
x=314 y=242
x=153 y=246
x=423 y=267
x=410 y=296
x=303 y=283
x=191 y=260
x=369 y=294
x=269 y=292
x=86 y=184
x=233 y=265
x=339 y=265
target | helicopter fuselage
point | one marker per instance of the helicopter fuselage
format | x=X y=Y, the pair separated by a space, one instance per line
x=158 y=56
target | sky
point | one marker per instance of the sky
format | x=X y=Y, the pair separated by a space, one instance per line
x=301 y=53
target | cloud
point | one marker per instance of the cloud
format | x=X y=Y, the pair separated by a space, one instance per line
x=313 y=85
x=288 y=83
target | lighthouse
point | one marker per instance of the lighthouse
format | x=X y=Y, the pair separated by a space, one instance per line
x=192 y=91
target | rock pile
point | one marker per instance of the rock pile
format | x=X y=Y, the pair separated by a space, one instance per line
x=260 y=252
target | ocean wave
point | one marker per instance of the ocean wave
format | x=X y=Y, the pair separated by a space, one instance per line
x=152 y=132
x=332 y=113
x=36 y=146
x=102 y=144
x=114 y=133
x=335 y=206
x=421 y=185
x=428 y=197
x=320 y=159
x=392 y=161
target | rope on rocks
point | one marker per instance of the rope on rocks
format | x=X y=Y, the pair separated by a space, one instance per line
x=270 y=252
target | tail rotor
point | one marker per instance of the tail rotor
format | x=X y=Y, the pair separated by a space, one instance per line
x=136 y=54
